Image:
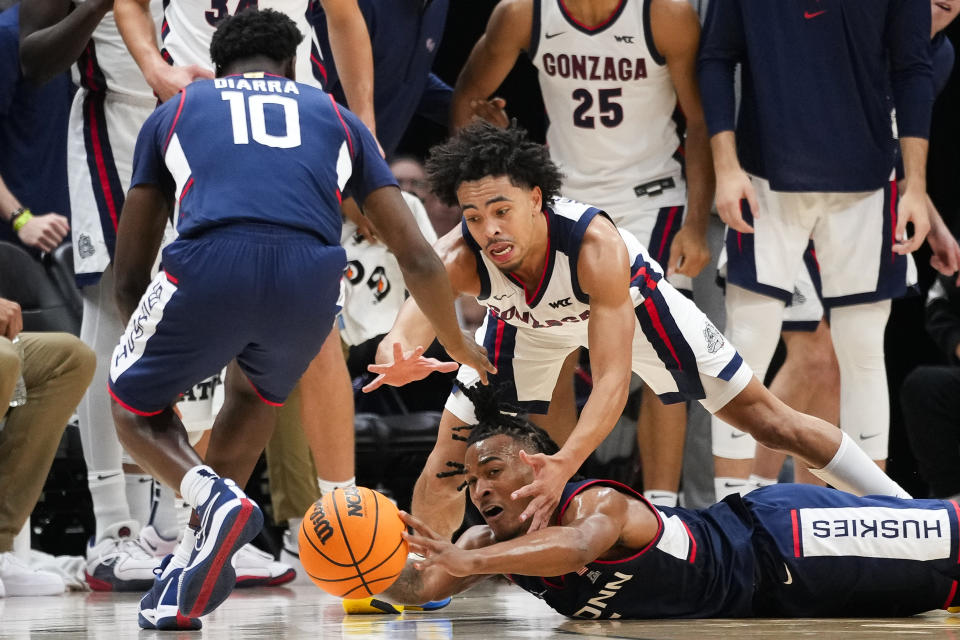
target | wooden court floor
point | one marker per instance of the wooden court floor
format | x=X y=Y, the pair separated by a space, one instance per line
x=489 y=612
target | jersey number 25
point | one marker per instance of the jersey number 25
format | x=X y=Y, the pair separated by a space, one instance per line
x=610 y=111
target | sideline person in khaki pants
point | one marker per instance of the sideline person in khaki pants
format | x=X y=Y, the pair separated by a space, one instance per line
x=56 y=369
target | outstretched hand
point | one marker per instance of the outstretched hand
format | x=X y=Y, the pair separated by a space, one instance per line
x=550 y=476
x=435 y=549
x=406 y=367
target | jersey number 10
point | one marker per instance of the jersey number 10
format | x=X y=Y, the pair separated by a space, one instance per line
x=241 y=105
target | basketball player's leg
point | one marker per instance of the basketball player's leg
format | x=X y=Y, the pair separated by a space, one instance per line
x=808 y=381
x=561 y=418
x=436 y=498
x=327 y=414
x=661 y=433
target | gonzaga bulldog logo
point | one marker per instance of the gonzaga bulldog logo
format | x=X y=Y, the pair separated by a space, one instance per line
x=713 y=337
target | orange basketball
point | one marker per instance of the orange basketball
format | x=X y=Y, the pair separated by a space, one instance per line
x=350 y=543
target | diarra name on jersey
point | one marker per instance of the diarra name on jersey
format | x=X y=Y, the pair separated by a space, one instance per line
x=271 y=85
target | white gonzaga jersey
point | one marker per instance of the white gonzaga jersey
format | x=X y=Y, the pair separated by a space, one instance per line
x=374 y=289
x=106 y=65
x=558 y=309
x=189 y=26
x=611 y=105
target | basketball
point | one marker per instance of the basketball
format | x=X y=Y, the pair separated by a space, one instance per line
x=351 y=544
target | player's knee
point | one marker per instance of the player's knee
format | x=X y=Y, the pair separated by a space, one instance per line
x=814 y=359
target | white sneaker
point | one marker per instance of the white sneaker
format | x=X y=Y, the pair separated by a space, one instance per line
x=118 y=562
x=155 y=544
x=290 y=554
x=20 y=580
x=256 y=568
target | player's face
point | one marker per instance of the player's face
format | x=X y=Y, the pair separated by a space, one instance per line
x=501 y=218
x=944 y=11
x=494 y=471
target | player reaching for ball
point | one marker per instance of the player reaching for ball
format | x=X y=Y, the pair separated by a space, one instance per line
x=780 y=551
x=557 y=275
x=254 y=276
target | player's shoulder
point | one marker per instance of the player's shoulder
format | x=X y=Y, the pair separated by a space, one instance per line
x=512 y=19
x=477 y=537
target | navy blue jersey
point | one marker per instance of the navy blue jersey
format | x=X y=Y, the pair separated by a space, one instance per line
x=814 y=114
x=786 y=550
x=258 y=148
x=405 y=37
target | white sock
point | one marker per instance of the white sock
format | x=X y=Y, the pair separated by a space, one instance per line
x=327 y=486
x=196 y=484
x=138 y=487
x=852 y=470
x=181 y=555
x=757 y=482
x=724 y=487
x=183 y=511
x=109 y=495
x=163 y=513
x=661 y=497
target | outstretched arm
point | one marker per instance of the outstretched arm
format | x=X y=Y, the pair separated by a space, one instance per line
x=676 y=33
x=507 y=34
x=604 y=273
x=52 y=36
x=425 y=276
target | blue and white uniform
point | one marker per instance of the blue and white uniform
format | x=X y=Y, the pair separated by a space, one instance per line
x=676 y=349
x=614 y=122
x=256 y=165
x=781 y=551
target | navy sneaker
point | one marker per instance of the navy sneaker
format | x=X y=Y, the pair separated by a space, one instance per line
x=158 y=606
x=228 y=520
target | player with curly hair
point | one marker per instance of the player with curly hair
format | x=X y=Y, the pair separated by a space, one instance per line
x=556 y=275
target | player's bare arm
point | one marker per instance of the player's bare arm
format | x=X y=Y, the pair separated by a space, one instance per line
x=41 y=231
x=508 y=33
x=136 y=25
x=139 y=235
x=733 y=184
x=350 y=43
x=53 y=34
x=604 y=273
x=417 y=585
x=913 y=200
x=593 y=527
x=425 y=275
x=676 y=33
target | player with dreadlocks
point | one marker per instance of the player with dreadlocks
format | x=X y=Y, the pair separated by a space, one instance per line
x=781 y=551
x=557 y=275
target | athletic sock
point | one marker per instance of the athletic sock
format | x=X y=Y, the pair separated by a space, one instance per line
x=661 y=498
x=724 y=487
x=163 y=514
x=852 y=470
x=327 y=486
x=183 y=511
x=109 y=496
x=139 y=488
x=181 y=555
x=196 y=484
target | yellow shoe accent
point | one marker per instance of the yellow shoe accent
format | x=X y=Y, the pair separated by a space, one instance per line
x=370 y=605
x=953 y=609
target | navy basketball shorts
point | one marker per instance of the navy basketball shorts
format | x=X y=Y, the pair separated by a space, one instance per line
x=263 y=294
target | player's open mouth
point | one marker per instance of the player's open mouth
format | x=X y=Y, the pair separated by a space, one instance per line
x=492 y=512
x=501 y=251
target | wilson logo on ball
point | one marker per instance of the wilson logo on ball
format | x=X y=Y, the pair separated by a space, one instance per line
x=321 y=526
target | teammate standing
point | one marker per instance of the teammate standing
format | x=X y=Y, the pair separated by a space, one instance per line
x=619 y=84
x=557 y=275
x=242 y=249
x=813 y=157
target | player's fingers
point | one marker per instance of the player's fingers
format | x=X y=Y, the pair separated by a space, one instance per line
x=442 y=367
x=416 y=353
x=397 y=352
x=375 y=384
